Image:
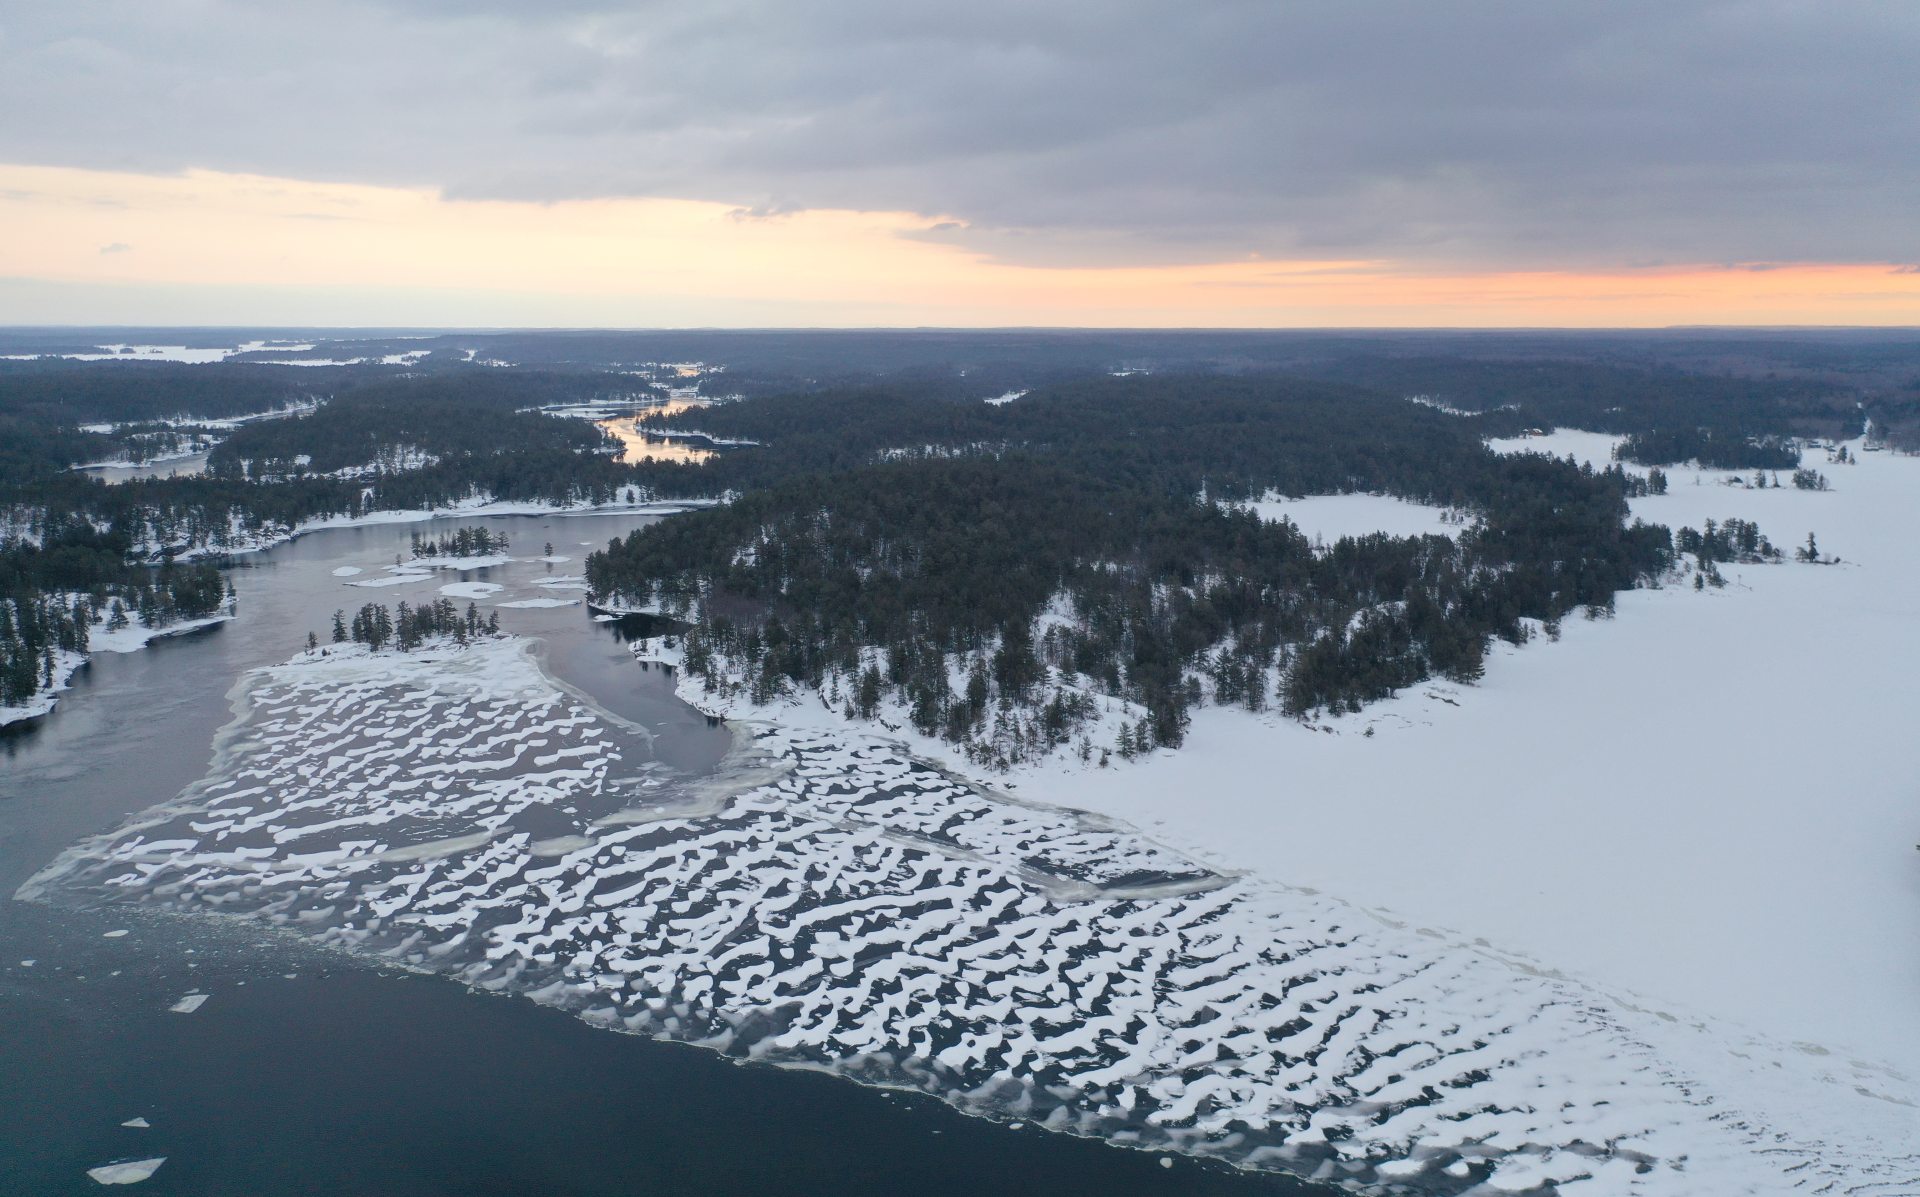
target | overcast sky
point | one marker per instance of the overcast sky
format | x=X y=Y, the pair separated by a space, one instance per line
x=1435 y=137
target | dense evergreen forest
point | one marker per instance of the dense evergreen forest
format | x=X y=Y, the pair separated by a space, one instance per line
x=1085 y=493
x=990 y=569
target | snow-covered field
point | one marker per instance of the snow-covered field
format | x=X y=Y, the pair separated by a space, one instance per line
x=828 y=901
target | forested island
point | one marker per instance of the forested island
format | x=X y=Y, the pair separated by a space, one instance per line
x=993 y=571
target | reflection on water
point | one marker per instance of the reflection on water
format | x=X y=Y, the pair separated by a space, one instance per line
x=638 y=446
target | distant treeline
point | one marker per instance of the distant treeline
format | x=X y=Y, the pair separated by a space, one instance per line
x=1666 y=415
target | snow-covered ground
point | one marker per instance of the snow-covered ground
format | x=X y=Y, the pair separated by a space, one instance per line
x=1709 y=800
x=827 y=901
x=1329 y=517
x=1589 y=448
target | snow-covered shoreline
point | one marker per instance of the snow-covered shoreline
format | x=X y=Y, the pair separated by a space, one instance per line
x=100 y=639
x=474 y=508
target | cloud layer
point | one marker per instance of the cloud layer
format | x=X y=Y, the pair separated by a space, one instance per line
x=1490 y=135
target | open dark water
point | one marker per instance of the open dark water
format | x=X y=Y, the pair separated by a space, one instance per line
x=307 y=1072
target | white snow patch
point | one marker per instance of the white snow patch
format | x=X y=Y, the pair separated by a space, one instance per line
x=396 y=578
x=1588 y=448
x=471 y=590
x=1327 y=518
x=347 y=571
x=537 y=603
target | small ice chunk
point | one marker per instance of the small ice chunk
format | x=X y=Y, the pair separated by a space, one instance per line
x=114 y=934
x=346 y=571
x=26 y=964
x=127 y=1172
x=189 y=1003
x=470 y=590
x=1166 y=1161
x=137 y=1123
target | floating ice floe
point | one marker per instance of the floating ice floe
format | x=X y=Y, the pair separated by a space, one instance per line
x=477 y=561
x=347 y=571
x=529 y=604
x=399 y=578
x=126 y=1172
x=113 y=934
x=137 y=1123
x=828 y=901
x=471 y=590
x=189 y=1003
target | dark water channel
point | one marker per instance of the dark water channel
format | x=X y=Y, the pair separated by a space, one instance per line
x=307 y=1072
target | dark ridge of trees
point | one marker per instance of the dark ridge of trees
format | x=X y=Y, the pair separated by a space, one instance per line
x=1066 y=532
x=1628 y=400
x=1733 y=540
x=1737 y=451
x=56 y=393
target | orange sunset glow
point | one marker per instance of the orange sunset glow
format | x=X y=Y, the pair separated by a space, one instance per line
x=230 y=246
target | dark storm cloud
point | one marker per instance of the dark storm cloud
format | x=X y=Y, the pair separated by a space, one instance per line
x=1493 y=133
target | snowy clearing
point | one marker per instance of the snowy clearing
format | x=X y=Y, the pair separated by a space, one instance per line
x=1327 y=518
x=1587 y=448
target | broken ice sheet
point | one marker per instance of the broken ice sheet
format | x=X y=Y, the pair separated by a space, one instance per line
x=126 y=1172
